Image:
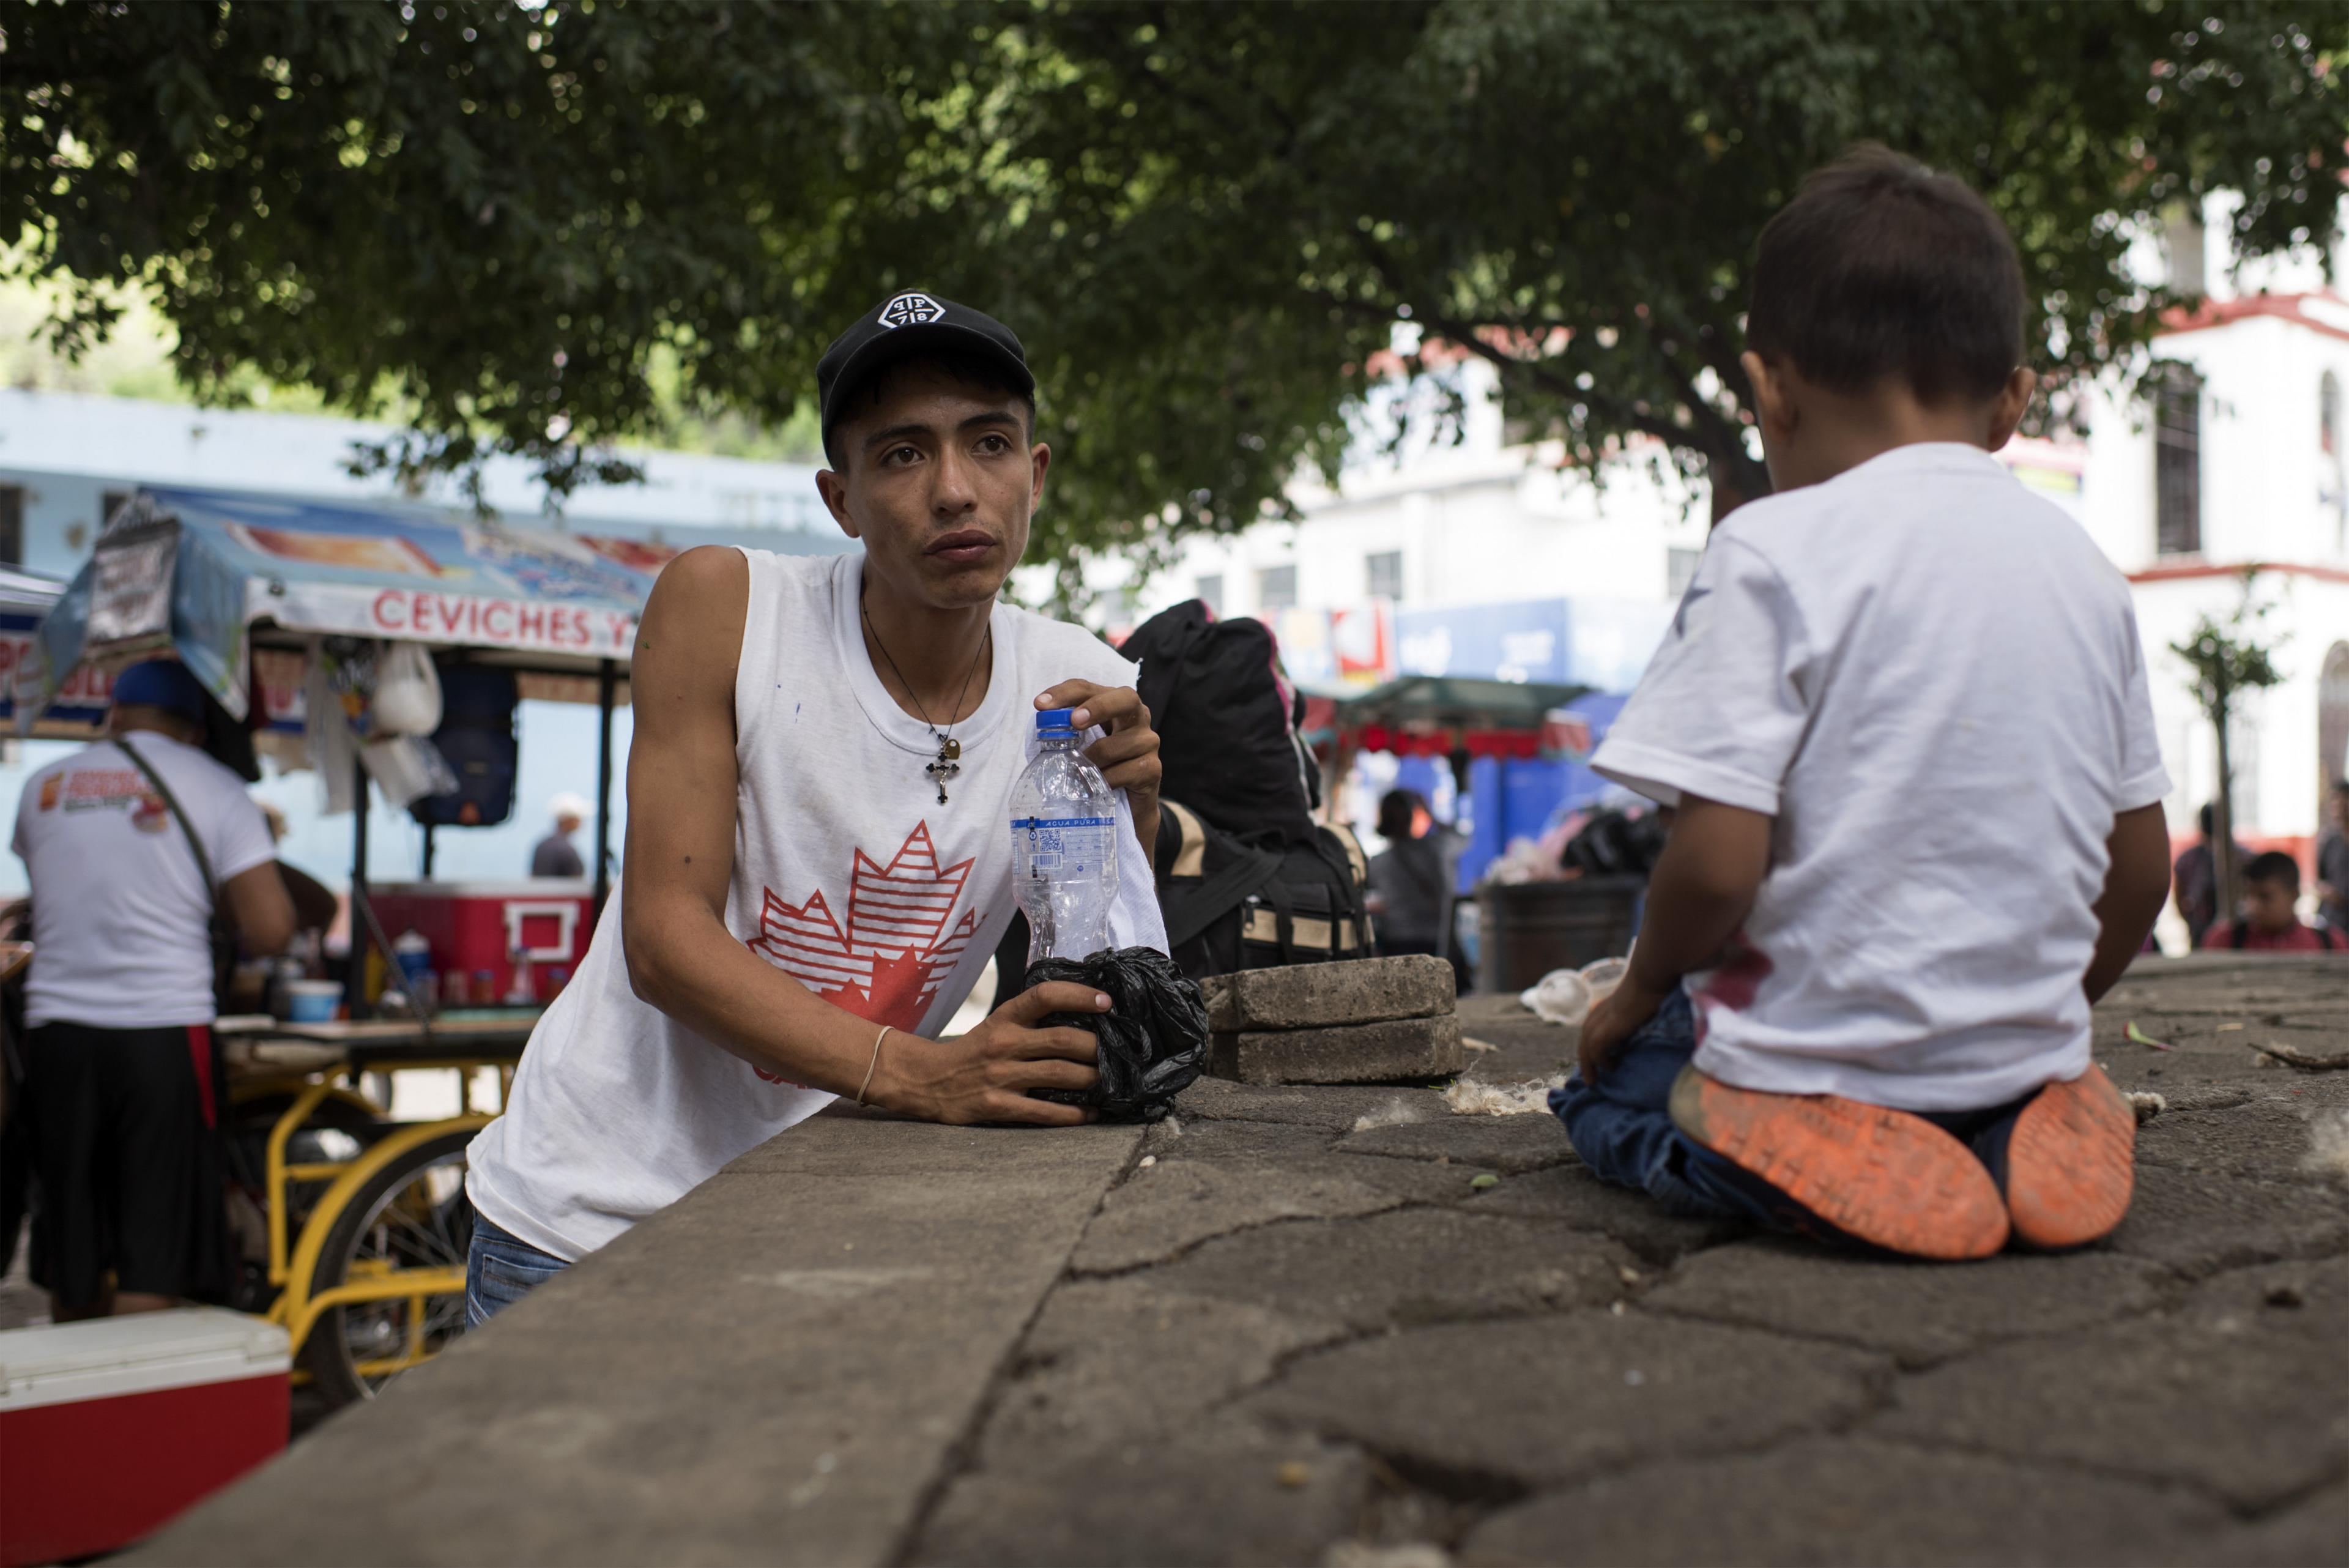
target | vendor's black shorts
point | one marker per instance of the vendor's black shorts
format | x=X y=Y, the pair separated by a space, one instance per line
x=123 y=1125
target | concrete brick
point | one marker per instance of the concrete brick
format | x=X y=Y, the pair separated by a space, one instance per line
x=1320 y=995
x=1399 y=1048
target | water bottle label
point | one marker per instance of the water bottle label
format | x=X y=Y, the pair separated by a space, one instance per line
x=1056 y=845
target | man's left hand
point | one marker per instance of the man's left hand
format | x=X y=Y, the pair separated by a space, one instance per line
x=1127 y=756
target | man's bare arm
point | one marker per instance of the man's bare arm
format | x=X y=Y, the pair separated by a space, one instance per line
x=2135 y=887
x=682 y=787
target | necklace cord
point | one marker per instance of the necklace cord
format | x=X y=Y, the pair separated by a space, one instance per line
x=985 y=643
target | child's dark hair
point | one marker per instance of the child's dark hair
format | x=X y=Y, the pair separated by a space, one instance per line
x=973 y=370
x=1881 y=266
x=2274 y=866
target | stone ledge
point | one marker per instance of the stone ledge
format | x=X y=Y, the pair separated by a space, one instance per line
x=776 y=1370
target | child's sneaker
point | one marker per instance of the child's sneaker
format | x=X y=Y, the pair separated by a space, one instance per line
x=1883 y=1176
x=2070 y=1165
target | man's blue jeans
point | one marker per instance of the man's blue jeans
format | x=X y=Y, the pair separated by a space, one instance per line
x=500 y=1269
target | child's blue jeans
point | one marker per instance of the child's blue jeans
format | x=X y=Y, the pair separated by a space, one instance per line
x=1622 y=1128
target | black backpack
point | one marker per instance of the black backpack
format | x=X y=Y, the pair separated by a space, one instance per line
x=1230 y=907
x=1226 y=722
x=477 y=738
x=1246 y=879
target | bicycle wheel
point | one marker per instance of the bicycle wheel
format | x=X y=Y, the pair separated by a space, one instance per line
x=411 y=1214
x=335 y=1130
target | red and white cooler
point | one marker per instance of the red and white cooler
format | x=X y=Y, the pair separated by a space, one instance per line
x=109 y=1428
x=476 y=926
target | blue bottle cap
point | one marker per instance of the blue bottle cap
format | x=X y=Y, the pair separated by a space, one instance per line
x=1055 y=721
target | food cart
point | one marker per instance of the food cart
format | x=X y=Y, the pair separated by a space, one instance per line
x=1456 y=718
x=1459 y=719
x=367 y=1226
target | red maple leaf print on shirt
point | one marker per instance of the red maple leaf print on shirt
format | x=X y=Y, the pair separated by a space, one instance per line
x=886 y=962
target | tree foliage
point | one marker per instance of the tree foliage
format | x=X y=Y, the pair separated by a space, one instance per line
x=1205 y=219
x=2223 y=660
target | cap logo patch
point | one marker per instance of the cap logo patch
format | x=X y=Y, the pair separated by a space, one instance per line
x=911 y=311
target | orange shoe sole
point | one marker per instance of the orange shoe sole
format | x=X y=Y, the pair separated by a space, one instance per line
x=2070 y=1163
x=1890 y=1178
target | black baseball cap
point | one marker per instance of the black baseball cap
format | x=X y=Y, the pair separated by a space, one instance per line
x=904 y=325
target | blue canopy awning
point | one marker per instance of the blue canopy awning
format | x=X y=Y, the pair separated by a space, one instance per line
x=195 y=571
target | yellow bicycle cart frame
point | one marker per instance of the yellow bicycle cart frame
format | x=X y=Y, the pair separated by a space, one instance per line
x=295 y=1308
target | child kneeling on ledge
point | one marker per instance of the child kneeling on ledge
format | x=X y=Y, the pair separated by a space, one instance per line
x=1903 y=714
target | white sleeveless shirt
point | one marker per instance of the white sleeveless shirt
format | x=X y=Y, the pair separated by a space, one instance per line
x=848 y=874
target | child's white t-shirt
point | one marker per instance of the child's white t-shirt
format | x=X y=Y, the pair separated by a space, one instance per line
x=1933 y=680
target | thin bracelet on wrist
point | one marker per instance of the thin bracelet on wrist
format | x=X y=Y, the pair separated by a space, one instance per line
x=873 y=1064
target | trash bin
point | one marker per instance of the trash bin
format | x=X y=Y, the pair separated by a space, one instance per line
x=1528 y=929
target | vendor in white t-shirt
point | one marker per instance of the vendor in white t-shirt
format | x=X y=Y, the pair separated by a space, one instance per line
x=122 y=1086
x=819 y=851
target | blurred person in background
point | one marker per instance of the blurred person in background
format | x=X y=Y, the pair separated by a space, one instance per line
x=2269 y=920
x=316 y=905
x=554 y=854
x=2332 y=860
x=2195 y=879
x=1411 y=881
x=131 y=844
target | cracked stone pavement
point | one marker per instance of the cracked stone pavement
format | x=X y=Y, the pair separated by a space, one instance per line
x=1350 y=1328
x=1302 y=1332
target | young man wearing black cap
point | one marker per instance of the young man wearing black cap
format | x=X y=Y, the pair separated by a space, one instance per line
x=819 y=851
x=129 y=844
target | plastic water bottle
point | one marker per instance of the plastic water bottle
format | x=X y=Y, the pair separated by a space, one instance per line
x=1063 y=845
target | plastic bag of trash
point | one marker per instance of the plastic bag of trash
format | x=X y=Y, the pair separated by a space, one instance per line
x=1153 y=1038
x=1568 y=995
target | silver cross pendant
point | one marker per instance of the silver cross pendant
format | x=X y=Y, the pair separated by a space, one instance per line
x=945 y=767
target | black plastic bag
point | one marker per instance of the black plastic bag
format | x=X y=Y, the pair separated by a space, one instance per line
x=1153 y=1038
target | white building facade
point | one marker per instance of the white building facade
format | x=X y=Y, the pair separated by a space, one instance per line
x=1485 y=559
x=2235 y=466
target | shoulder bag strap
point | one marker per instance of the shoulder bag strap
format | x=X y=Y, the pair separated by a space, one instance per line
x=1342 y=855
x=217 y=931
x=1187 y=911
x=203 y=861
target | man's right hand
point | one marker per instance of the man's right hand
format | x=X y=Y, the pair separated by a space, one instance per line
x=985 y=1075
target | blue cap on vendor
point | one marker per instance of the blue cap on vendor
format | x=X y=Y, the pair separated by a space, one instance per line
x=163 y=684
